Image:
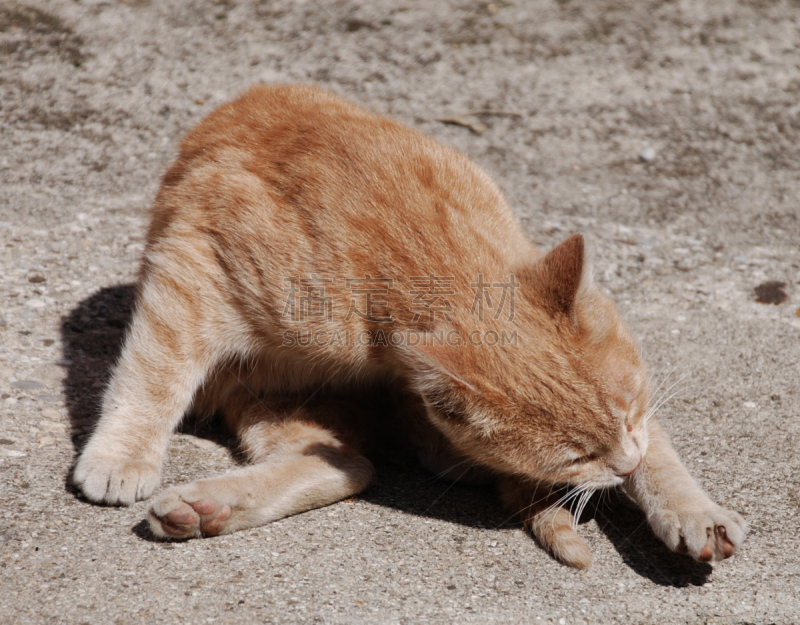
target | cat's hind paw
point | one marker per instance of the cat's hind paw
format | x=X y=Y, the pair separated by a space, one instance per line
x=113 y=480
x=171 y=517
x=706 y=534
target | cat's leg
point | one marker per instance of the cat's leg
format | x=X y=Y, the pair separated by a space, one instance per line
x=162 y=364
x=552 y=524
x=678 y=510
x=300 y=466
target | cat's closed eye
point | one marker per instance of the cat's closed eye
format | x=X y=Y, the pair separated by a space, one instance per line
x=582 y=458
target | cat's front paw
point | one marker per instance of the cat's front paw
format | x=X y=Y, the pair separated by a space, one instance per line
x=175 y=515
x=704 y=531
x=115 y=480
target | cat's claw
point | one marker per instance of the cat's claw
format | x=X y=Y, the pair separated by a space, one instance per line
x=708 y=534
x=171 y=517
x=115 y=481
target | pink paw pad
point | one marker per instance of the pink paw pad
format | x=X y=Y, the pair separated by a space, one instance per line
x=182 y=517
x=204 y=517
x=178 y=523
x=707 y=554
x=724 y=542
x=212 y=516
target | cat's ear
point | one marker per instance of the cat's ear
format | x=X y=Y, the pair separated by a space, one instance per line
x=558 y=279
x=433 y=362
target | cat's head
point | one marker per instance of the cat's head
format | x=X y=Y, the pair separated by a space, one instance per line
x=566 y=404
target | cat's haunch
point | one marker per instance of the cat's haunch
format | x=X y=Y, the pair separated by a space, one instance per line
x=305 y=254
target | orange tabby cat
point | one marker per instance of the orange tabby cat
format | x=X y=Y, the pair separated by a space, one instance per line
x=303 y=251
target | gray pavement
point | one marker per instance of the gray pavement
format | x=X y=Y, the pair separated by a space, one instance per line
x=667 y=133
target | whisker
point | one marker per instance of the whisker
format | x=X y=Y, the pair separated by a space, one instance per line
x=440 y=475
x=572 y=504
x=446 y=490
x=534 y=502
x=663 y=381
x=576 y=515
x=666 y=391
x=664 y=400
x=587 y=496
x=570 y=498
x=566 y=497
x=544 y=498
x=528 y=507
x=655 y=404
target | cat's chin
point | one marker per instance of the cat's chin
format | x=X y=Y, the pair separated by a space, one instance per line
x=599 y=484
x=603 y=484
x=596 y=481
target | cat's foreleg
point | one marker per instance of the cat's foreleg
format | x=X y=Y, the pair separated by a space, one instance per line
x=301 y=466
x=539 y=509
x=151 y=388
x=678 y=510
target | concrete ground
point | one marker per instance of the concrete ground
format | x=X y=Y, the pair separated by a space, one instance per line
x=666 y=132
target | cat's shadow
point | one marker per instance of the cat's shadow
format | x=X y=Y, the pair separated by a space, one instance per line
x=92 y=336
x=414 y=491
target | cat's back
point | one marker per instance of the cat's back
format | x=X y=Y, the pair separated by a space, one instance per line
x=306 y=129
x=295 y=134
x=334 y=176
x=278 y=124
